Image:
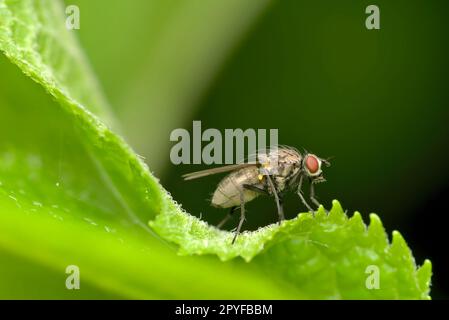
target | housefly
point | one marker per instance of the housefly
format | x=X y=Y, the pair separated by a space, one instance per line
x=275 y=172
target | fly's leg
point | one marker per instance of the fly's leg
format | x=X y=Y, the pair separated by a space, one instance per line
x=262 y=191
x=228 y=216
x=302 y=197
x=313 y=198
x=255 y=189
x=281 y=206
x=242 y=216
x=277 y=198
x=312 y=195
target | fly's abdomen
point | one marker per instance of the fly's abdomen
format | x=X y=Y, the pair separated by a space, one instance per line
x=229 y=190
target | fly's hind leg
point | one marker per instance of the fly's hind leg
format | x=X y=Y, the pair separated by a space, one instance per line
x=228 y=216
x=242 y=216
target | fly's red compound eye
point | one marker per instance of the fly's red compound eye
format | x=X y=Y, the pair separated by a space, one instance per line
x=312 y=164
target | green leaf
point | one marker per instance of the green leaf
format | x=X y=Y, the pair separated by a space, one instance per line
x=33 y=36
x=72 y=192
x=326 y=256
x=112 y=261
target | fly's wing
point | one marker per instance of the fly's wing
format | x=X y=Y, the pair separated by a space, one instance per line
x=264 y=153
x=208 y=172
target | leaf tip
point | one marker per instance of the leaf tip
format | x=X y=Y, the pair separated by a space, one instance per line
x=336 y=205
x=377 y=231
x=424 y=275
x=399 y=245
x=398 y=239
x=320 y=213
x=336 y=213
x=356 y=222
x=375 y=224
x=425 y=271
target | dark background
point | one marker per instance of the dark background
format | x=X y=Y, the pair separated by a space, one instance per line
x=376 y=100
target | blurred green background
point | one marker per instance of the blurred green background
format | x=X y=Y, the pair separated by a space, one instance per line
x=375 y=100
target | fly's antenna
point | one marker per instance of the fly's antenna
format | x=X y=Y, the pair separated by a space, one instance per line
x=327 y=161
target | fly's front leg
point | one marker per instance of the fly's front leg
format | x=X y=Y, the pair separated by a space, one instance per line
x=277 y=198
x=312 y=195
x=242 y=216
x=301 y=196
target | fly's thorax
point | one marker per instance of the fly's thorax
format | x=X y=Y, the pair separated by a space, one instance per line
x=280 y=161
x=286 y=175
x=284 y=164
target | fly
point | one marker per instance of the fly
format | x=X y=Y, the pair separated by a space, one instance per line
x=276 y=172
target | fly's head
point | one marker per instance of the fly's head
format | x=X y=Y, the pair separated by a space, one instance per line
x=312 y=167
